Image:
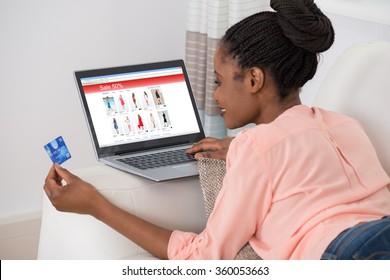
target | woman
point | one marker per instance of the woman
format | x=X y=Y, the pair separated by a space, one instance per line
x=298 y=185
x=140 y=123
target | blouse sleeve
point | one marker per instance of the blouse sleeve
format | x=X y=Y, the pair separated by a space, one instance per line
x=239 y=209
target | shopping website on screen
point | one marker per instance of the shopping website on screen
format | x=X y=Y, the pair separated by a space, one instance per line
x=139 y=106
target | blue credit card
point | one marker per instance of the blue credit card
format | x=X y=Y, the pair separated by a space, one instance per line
x=57 y=150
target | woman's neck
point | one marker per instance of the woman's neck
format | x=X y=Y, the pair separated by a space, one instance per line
x=277 y=107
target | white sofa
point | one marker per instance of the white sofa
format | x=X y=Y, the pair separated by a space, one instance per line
x=357 y=85
x=176 y=204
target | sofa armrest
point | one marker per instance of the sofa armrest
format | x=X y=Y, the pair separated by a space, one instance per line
x=175 y=204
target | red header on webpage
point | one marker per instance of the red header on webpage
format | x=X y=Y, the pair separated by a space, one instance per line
x=134 y=83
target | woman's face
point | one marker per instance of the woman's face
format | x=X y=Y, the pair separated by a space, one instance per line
x=238 y=106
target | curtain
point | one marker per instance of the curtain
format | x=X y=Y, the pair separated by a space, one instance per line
x=207 y=21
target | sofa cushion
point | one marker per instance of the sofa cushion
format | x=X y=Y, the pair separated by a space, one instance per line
x=211 y=174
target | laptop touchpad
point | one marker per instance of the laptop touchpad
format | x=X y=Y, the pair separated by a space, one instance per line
x=187 y=167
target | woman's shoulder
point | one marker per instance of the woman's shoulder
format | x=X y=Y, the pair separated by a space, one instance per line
x=298 y=119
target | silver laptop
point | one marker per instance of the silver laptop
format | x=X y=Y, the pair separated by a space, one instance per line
x=142 y=118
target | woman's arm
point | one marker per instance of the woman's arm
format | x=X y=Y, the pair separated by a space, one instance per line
x=77 y=196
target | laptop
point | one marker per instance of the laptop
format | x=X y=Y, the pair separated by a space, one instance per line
x=142 y=118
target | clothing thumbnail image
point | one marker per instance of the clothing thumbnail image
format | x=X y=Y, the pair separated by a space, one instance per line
x=123 y=104
x=153 y=122
x=164 y=119
x=140 y=122
x=147 y=99
x=128 y=125
x=134 y=103
x=158 y=96
x=116 y=128
x=109 y=104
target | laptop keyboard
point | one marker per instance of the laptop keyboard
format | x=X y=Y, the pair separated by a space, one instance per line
x=158 y=159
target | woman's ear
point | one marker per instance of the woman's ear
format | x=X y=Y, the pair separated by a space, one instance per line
x=256 y=78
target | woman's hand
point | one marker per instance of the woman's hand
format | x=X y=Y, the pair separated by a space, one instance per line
x=69 y=193
x=210 y=147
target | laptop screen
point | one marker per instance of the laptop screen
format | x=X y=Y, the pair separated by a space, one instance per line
x=138 y=104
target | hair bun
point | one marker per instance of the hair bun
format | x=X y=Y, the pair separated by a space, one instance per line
x=304 y=24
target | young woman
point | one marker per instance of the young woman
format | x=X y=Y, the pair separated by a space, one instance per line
x=303 y=184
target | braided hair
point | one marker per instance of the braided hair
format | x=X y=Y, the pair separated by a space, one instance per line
x=285 y=42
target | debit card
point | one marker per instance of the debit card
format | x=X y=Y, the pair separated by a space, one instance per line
x=57 y=150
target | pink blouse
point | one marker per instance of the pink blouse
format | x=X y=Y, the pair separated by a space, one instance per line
x=291 y=187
